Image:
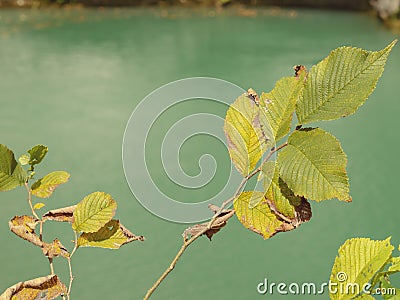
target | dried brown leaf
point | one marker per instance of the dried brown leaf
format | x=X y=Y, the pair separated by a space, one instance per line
x=49 y=287
x=302 y=214
x=24 y=227
x=219 y=222
x=60 y=215
x=55 y=249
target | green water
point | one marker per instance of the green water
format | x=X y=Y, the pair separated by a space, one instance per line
x=70 y=79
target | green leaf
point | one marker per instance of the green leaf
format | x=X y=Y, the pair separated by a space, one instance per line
x=340 y=83
x=395 y=265
x=259 y=219
x=281 y=103
x=44 y=187
x=358 y=261
x=11 y=173
x=387 y=290
x=93 y=212
x=284 y=199
x=36 y=154
x=313 y=165
x=248 y=133
x=39 y=205
x=24 y=159
x=112 y=236
x=363 y=297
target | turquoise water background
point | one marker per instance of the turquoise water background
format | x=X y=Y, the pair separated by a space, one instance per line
x=70 y=80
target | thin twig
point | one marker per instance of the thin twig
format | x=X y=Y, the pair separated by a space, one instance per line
x=187 y=243
x=41 y=230
x=30 y=200
x=243 y=183
x=51 y=266
x=71 y=276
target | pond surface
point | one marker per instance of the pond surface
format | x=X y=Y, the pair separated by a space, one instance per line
x=70 y=80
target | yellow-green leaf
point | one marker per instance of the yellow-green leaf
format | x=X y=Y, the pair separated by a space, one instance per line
x=279 y=193
x=259 y=219
x=313 y=165
x=281 y=103
x=36 y=154
x=358 y=261
x=112 y=236
x=24 y=159
x=11 y=172
x=48 y=287
x=93 y=212
x=340 y=83
x=44 y=187
x=248 y=133
x=395 y=265
x=39 y=205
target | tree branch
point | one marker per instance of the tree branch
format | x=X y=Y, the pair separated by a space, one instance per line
x=187 y=243
x=71 y=276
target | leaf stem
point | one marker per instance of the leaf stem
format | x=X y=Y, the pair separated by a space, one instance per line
x=187 y=243
x=28 y=189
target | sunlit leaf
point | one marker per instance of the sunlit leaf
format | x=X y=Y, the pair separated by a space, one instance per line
x=36 y=154
x=395 y=265
x=340 y=83
x=284 y=200
x=358 y=261
x=34 y=289
x=281 y=103
x=93 y=212
x=313 y=165
x=44 y=187
x=259 y=219
x=39 y=205
x=11 y=172
x=112 y=236
x=64 y=214
x=24 y=159
x=248 y=133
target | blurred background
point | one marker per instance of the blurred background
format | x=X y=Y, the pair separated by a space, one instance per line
x=73 y=71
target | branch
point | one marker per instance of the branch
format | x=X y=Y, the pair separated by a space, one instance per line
x=71 y=276
x=30 y=200
x=187 y=243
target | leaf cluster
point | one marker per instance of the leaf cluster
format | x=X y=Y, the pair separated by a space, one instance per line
x=92 y=221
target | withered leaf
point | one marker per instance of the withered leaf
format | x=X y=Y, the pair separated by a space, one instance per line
x=219 y=222
x=60 y=215
x=33 y=289
x=24 y=227
x=302 y=214
x=55 y=249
